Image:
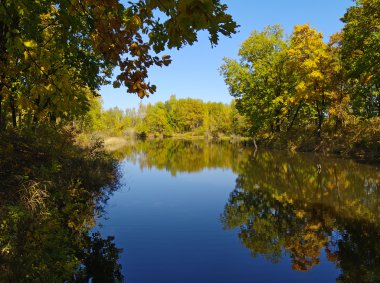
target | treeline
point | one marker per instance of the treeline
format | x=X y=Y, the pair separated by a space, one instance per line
x=303 y=91
x=175 y=116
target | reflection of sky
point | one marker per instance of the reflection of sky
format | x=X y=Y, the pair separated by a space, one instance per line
x=170 y=230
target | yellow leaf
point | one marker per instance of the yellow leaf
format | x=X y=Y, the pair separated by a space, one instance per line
x=30 y=44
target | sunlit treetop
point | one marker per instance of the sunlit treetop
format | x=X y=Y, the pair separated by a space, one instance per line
x=95 y=36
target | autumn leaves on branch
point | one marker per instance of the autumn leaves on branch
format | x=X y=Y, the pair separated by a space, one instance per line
x=56 y=54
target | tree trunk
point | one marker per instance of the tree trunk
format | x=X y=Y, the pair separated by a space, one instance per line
x=19 y=118
x=4 y=117
x=320 y=109
x=295 y=116
x=1 y=111
x=3 y=31
x=278 y=125
x=13 y=110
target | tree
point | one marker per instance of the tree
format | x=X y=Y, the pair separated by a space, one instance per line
x=156 y=120
x=341 y=105
x=239 y=123
x=259 y=82
x=281 y=83
x=187 y=114
x=53 y=50
x=49 y=214
x=219 y=118
x=361 y=56
x=312 y=61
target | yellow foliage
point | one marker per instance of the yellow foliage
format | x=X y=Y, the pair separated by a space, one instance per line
x=30 y=44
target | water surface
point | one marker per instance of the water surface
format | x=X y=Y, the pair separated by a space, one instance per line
x=204 y=212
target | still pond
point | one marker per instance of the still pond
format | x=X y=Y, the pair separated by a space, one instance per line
x=206 y=212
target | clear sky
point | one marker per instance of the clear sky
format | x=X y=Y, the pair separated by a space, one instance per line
x=194 y=71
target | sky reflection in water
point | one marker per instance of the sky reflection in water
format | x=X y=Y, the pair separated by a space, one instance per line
x=197 y=212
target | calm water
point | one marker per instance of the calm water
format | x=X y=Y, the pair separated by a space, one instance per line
x=198 y=212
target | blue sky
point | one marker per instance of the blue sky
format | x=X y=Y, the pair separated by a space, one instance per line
x=194 y=71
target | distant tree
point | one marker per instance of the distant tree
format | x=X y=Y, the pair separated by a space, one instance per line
x=156 y=120
x=188 y=114
x=219 y=118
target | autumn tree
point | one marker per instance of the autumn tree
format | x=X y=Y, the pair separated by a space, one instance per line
x=259 y=81
x=361 y=57
x=187 y=114
x=312 y=62
x=340 y=108
x=284 y=84
x=155 y=120
x=218 y=118
x=55 y=53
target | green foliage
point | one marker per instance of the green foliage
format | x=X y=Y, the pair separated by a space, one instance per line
x=55 y=54
x=175 y=116
x=280 y=83
x=361 y=56
x=155 y=120
x=260 y=82
x=303 y=93
x=180 y=116
x=52 y=191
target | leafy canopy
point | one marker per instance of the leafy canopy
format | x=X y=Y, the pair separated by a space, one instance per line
x=55 y=54
x=95 y=35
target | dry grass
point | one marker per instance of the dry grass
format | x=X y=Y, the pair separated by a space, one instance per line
x=33 y=195
x=115 y=143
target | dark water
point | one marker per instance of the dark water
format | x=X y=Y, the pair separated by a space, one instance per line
x=198 y=212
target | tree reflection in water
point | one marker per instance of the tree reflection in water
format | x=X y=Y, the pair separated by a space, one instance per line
x=288 y=204
x=283 y=204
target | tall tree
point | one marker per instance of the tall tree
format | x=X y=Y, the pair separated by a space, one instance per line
x=260 y=82
x=312 y=62
x=361 y=57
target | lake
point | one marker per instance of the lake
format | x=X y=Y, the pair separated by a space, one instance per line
x=220 y=212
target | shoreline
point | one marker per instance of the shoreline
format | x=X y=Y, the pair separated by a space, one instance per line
x=113 y=143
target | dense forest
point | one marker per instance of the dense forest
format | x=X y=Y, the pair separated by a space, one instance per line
x=301 y=92
x=184 y=117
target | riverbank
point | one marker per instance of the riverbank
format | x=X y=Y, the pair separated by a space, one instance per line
x=358 y=144
x=359 y=141
x=53 y=188
x=112 y=143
